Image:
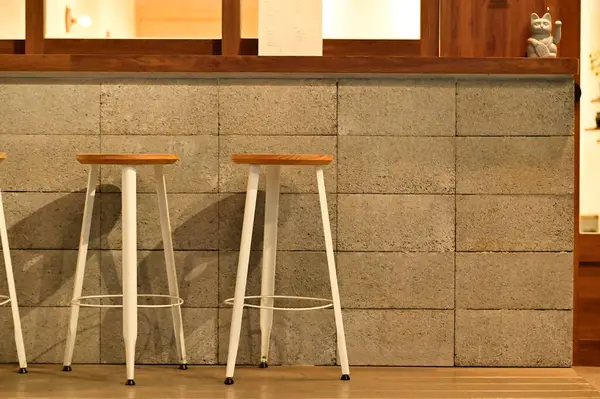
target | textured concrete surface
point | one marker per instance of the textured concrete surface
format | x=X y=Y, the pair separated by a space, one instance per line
x=193 y=221
x=287 y=108
x=195 y=172
x=400 y=337
x=45 y=162
x=504 y=338
x=396 y=165
x=197 y=276
x=30 y=106
x=514 y=223
x=294 y=179
x=396 y=222
x=540 y=107
x=45 y=332
x=184 y=107
x=394 y=280
x=300 y=225
x=514 y=280
x=300 y=338
x=156 y=342
x=514 y=165
x=46 y=277
x=397 y=107
x=398 y=208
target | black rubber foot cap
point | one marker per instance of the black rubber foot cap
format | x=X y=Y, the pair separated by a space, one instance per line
x=67 y=368
x=183 y=367
x=228 y=381
x=22 y=370
x=345 y=377
x=130 y=382
x=263 y=365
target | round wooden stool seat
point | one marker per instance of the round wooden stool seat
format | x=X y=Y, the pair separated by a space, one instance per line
x=127 y=159
x=2 y=156
x=282 y=159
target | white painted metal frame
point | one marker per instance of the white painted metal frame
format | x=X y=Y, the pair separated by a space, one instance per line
x=268 y=270
x=12 y=292
x=130 y=295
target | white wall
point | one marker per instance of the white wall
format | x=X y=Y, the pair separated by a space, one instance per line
x=371 y=19
x=116 y=16
x=590 y=150
x=12 y=19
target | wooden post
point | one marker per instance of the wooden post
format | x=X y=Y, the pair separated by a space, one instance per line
x=231 y=27
x=34 y=26
x=430 y=28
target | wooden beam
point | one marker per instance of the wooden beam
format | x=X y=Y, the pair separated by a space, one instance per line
x=430 y=28
x=351 y=47
x=133 y=46
x=232 y=27
x=34 y=26
x=12 y=46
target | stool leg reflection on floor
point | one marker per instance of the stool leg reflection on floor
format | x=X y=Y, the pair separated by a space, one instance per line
x=165 y=226
x=80 y=268
x=267 y=286
x=335 y=292
x=12 y=292
x=242 y=272
x=129 y=226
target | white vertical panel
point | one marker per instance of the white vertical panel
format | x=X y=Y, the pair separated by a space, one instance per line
x=12 y=19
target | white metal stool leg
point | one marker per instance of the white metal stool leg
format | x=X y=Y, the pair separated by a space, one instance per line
x=129 y=226
x=12 y=292
x=80 y=268
x=335 y=293
x=165 y=225
x=267 y=286
x=242 y=272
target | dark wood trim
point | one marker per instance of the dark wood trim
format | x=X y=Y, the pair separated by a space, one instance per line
x=132 y=46
x=34 y=26
x=588 y=248
x=316 y=65
x=430 y=28
x=249 y=46
x=12 y=46
x=231 y=27
x=350 y=47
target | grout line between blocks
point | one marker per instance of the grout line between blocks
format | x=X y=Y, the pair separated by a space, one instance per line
x=455 y=212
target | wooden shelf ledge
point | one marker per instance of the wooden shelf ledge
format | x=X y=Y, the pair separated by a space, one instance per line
x=101 y=63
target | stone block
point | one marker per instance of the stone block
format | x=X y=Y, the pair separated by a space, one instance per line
x=156 y=341
x=378 y=337
x=396 y=280
x=45 y=162
x=294 y=179
x=300 y=224
x=397 y=107
x=514 y=165
x=193 y=221
x=297 y=338
x=419 y=165
x=197 y=276
x=514 y=223
x=514 y=280
x=513 y=338
x=290 y=107
x=515 y=107
x=195 y=172
x=54 y=107
x=409 y=223
x=160 y=107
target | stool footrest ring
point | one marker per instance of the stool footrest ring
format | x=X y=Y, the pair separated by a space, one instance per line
x=329 y=303
x=174 y=301
x=5 y=299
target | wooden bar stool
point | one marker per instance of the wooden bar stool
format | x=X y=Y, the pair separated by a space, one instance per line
x=267 y=297
x=129 y=216
x=12 y=292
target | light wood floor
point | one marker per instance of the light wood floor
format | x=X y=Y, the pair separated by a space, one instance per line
x=165 y=382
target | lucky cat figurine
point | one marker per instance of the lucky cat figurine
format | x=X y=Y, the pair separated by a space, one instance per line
x=541 y=43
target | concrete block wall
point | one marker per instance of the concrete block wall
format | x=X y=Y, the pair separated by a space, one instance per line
x=451 y=203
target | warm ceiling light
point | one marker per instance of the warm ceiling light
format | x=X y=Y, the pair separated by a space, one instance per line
x=85 y=21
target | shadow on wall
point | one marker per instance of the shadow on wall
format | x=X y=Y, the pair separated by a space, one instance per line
x=44 y=280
